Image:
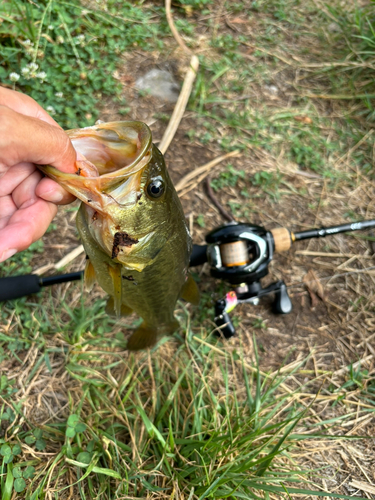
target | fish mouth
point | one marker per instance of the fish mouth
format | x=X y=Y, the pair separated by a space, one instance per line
x=111 y=159
x=112 y=147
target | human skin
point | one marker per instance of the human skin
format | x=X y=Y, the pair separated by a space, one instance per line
x=28 y=200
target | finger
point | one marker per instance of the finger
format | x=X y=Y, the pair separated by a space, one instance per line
x=25 y=226
x=7 y=209
x=23 y=138
x=25 y=105
x=49 y=190
x=24 y=194
x=14 y=176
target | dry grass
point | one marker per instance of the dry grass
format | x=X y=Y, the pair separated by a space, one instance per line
x=89 y=372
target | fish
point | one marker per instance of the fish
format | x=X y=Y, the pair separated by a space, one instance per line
x=132 y=226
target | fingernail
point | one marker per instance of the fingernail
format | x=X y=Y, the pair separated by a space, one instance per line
x=53 y=196
x=7 y=254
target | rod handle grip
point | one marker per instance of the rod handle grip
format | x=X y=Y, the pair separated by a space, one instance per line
x=282 y=239
x=14 y=287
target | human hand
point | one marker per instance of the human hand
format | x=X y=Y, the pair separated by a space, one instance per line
x=29 y=137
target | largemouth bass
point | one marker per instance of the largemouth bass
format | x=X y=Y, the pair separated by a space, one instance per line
x=132 y=226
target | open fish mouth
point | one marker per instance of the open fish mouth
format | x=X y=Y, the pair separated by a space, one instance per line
x=112 y=146
x=112 y=157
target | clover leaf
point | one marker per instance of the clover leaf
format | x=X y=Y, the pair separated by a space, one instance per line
x=84 y=457
x=29 y=472
x=17 y=472
x=19 y=485
x=74 y=426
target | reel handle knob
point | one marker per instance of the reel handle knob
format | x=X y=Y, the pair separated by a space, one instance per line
x=223 y=321
x=282 y=303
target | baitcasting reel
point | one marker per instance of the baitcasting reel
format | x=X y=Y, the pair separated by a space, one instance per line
x=240 y=253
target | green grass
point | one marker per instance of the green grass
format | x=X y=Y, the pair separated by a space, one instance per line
x=200 y=421
x=65 y=54
x=354 y=37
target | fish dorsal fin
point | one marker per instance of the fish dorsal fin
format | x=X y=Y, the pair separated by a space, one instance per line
x=115 y=274
x=89 y=276
x=190 y=292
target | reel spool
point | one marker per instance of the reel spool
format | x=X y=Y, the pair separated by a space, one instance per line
x=239 y=252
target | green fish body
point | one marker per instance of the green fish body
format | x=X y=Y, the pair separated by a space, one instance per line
x=132 y=226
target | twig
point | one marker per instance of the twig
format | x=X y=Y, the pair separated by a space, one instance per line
x=62 y=262
x=210 y=193
x=173 y=28
x=203 y=170
x=332 y=254
x=304 y=65
x=354 y=366
x=361 y=485
x=180 y=105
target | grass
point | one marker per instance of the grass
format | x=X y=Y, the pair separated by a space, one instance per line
x=65 y=54
x=195 y=418
x=201 y=423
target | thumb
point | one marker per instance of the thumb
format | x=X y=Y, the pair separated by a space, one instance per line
x=24 y=138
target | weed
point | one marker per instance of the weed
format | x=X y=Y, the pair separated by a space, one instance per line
x=65 y=54
x=356 y=378
x=21 y=262
x=269 y=182
x=200 y=220
x=228 y=177
x=259 y=323
x=156 y=423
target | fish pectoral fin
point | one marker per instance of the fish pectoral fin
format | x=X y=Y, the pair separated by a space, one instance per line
x=190 y=291
x=89 y=276
x=110 y=308
x=144 y=337
x=115 y=274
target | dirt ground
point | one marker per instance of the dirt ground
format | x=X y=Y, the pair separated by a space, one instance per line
x=341 y=325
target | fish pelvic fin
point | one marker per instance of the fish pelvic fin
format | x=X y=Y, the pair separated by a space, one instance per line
x=89 y=276
x=110 y=308
x=115 y=274
x=171 y=327
x=190 y=291
x=144 y=337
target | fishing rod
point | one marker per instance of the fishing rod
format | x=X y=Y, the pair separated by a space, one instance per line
x=237 y=253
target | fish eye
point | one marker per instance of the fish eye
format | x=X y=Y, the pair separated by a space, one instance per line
x=156 y=188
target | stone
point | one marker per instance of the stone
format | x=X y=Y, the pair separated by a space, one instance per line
x=159 y=83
